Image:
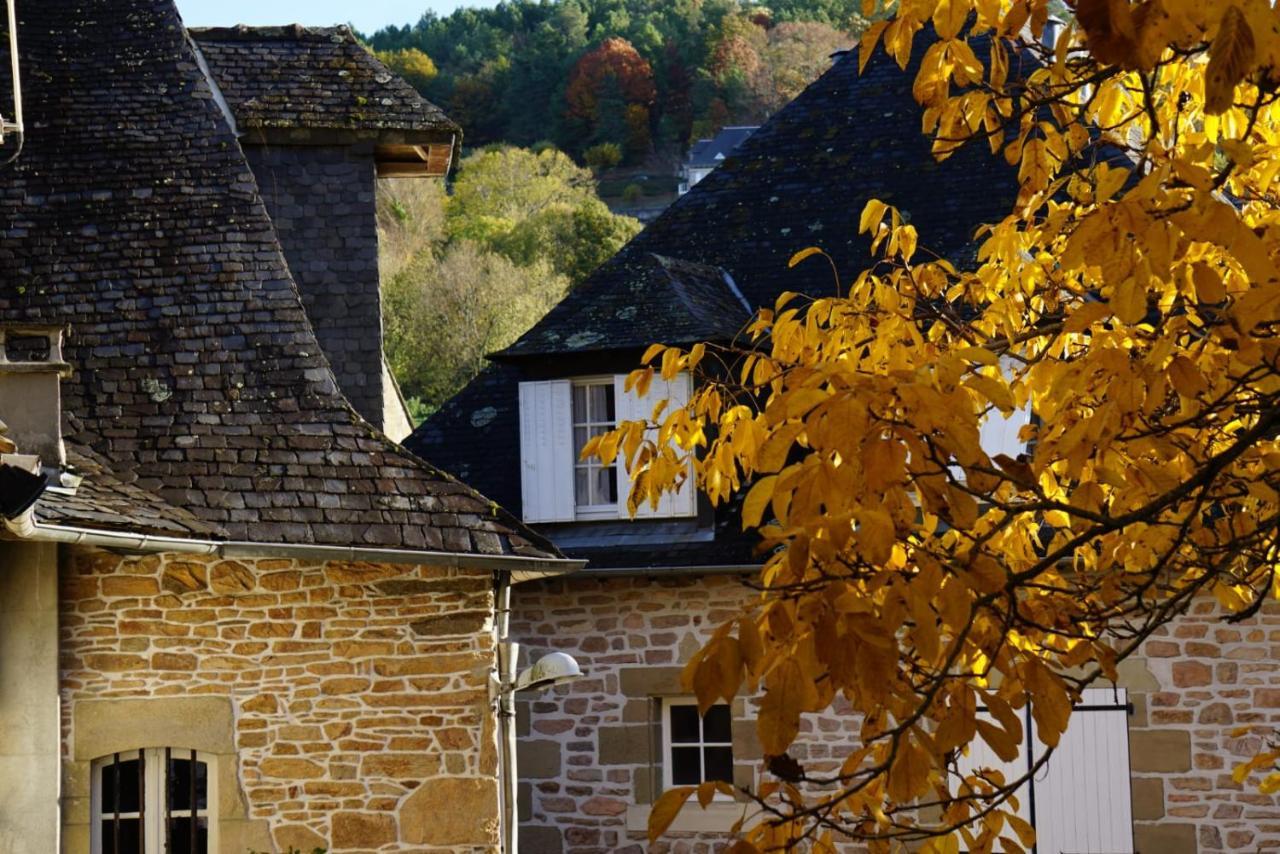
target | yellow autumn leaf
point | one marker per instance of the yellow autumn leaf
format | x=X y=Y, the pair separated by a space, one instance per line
x=666 y=809
x=1230 y=59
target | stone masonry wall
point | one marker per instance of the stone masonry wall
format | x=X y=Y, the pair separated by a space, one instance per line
x=358 y=691
x=590 y=752
x=321 y=199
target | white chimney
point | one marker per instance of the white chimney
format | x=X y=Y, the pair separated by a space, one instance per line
x=31 y=371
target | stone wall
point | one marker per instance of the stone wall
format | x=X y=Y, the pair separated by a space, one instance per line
x=347 y=704
x=1205 y=679
x=590 y=752
x=322 y=201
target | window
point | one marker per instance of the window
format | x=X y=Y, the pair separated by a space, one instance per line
x=696 y=748
x=557 y=417
x=153 y=801
x=595 y=486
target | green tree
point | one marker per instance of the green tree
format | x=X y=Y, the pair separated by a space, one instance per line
x=411 y=64
x=443 y=314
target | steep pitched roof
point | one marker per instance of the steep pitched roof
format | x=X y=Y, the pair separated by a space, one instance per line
x=133 y=217
x=315 y=77
x=713 y=151
x=689 y=302
x=802 y=180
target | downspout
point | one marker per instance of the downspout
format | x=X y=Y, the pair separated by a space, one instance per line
x=508 y=652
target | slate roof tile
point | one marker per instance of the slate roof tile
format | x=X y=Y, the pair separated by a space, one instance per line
x=132 y=216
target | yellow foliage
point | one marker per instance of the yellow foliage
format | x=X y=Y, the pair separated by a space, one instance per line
x=1131 y=296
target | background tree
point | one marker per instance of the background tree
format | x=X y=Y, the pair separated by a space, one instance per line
x=1131 y=297
x=503 y=72
x=530 y=225
x=411 y=64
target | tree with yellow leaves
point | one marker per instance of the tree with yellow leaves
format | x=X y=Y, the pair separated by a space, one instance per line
x=1131 y=299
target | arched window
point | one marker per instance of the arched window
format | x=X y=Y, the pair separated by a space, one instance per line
x=154 y=801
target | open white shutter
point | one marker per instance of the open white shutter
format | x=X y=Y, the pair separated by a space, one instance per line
x=632 y=407
x=999 y=435
x=1083 y=793
x=546 y=451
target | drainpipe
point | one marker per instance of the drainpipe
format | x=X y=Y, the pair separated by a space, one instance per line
x=508 y=653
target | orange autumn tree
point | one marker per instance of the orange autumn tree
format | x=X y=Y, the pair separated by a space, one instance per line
x=1130 y=298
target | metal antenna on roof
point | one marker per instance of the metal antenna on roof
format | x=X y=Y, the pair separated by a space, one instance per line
x=15 y=126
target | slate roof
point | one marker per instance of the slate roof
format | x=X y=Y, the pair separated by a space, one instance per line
x=687 y=302
x=133 y=217
x=801 y=180
x=103 y=502
x=711 y=152
x=311 y=77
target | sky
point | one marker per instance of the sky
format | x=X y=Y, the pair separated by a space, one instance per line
x=366 y=15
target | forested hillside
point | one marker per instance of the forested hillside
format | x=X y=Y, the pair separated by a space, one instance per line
x=642 y=75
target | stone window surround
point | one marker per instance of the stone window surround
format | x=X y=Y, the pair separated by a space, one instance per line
x=639 y=742
x=205 y=724
x=156 y=788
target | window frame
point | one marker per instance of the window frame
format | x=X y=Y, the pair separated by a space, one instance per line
x=591 y=511
x=664 y=724
x=153 y=813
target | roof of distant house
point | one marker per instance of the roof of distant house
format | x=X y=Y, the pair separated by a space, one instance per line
x=133 y=217
x=709 y=153
x=312 y=77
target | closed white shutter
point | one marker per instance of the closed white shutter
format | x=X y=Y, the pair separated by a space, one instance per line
x=632 y=407
x=998 y=434
x=546 y=451
x=1083 y=793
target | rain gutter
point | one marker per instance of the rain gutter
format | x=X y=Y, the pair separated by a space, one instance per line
x=519 y=568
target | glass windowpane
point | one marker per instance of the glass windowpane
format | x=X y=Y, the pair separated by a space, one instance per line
x=128 y=787
x=609 y=415
x=603 y=479
x=716 y=726
x=598 y=404
x=611 y=485
x=686 y=767
x=684 y=724
x=130 y=835
x=580 y=479
x=579 y=404
x=180 y=785
x=180 y=836
x=580 y=437
x=718 y=763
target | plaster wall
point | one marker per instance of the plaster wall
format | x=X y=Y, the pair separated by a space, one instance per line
x=28 y=698
x=346 y=704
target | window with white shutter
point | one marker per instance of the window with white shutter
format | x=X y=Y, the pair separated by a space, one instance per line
x=1079 y=801
x=633 y=407
x=998 y=434
x=557 y=418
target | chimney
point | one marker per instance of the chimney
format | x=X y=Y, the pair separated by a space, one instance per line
x=31 y=371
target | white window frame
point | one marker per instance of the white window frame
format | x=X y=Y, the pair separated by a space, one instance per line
x=667 y=745
x=592 y=511
x=154 y=813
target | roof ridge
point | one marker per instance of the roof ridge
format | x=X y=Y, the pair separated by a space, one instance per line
x=274 y=32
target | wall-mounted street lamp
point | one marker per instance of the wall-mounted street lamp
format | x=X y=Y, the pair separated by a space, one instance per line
x=554 y=668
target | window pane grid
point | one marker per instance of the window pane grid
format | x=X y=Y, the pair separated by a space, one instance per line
x=594 y=485
x=700 y=746
x=152 y=801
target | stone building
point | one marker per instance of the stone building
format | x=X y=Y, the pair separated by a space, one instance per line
x=236 y=616
x=1153 y=756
